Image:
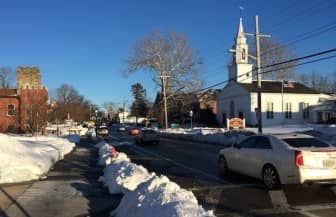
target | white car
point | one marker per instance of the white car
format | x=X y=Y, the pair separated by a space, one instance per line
x=281 y=159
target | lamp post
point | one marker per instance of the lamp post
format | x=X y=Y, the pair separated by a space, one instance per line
x=191 y=115
x=96 y=113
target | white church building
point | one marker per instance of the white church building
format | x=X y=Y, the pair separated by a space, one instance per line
x=281 y=102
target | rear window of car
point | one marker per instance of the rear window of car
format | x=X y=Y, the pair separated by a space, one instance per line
x=306 y=143
x=148 y=132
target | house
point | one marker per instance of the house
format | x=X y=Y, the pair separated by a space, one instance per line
x=24 y=108
x=282 y=102
x=203 y=107
x=325 y=111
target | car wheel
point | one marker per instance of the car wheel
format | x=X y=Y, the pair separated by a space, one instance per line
x=222 y=166
x=270 y=177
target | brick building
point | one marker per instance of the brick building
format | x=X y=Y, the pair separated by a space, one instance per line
x=24 y=108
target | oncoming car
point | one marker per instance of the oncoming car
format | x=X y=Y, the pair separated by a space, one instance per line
x=281 y=159
x=147 y=136
x=102 y=131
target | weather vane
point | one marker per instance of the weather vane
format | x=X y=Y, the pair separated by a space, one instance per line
x=241 y=8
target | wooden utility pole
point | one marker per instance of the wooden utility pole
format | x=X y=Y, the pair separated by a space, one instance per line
x=163 y=78
x=257 y=36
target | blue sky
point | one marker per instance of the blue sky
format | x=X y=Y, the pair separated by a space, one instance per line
x=84 y=42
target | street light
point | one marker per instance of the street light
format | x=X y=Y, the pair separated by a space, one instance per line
x=191 y=115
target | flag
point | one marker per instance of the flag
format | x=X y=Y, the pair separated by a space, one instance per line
x=288 y=84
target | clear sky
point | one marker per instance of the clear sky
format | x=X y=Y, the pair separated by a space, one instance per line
x=84 y=42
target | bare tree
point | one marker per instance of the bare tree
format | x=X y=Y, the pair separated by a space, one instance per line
x=70 y=102
x=171 y=61
x=111 y=109
x=168 y=55
x=274 y=52
x=6 y=77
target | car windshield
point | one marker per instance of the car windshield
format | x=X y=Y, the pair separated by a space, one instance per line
x=306 y=143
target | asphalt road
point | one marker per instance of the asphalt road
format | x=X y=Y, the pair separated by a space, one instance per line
x=70 y=190
x=194 y=167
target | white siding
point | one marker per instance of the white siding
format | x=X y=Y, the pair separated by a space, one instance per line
x=296 y=101
x=239 y=96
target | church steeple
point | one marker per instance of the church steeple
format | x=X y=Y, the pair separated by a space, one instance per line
x=241 y=46
x=240 y=70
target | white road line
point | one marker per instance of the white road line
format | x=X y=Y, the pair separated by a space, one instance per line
x=278 y=199
x=182 y=165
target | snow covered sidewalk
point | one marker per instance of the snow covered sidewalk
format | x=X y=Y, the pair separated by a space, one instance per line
x=30 y=158
x=145 y=194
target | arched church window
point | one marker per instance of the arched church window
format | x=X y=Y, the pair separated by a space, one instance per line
x=232 y=108
x=243 y=54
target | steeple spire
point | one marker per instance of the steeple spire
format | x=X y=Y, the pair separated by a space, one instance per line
x=240 y=69
x=240 y=28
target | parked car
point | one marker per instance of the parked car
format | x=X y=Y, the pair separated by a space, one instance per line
x=234 y=136
x=147 y=136
x=281 y=159
x=102 y=131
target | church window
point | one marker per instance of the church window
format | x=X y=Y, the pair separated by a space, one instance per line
x=305 y=111
x=10 y=110
x=243 y=54
x=270 y=111
x=288 y=111
x=232 y=113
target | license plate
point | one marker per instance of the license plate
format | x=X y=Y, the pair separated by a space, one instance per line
x=329 y=163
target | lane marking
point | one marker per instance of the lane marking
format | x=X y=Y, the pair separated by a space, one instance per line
x=278 y=199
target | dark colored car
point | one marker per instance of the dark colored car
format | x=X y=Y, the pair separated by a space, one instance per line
x=147 y=136
x=102 y=131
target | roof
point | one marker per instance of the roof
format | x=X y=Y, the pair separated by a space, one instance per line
x=276 y=87
x=7 y=92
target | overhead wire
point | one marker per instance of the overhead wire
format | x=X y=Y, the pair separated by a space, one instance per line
x=265 y=72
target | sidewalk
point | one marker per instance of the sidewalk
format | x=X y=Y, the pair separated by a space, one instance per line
x=71 y=189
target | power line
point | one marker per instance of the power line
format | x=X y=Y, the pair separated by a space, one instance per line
x=286 y=67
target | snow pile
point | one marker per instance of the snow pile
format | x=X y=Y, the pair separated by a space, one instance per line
x=145 y=193
x=122 y=176
x=29 y=158
x=107 y=153
x=160 y=197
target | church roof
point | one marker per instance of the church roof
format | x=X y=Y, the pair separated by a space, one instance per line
x=7 y=92
x=276 y=87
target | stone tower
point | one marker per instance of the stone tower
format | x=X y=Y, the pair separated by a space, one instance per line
x=240 y=70
x=28 y=78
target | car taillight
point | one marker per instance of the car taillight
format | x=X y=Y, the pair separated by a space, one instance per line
x=298 y=158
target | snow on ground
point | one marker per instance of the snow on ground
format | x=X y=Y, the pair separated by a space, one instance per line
x=29 y=158
x=158 y=196
x=145 y=194
x=223 y=136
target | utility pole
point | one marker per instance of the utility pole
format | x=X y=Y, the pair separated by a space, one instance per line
x=124 y=105
x=163 y=78
x=257 y=36
x=257 y=41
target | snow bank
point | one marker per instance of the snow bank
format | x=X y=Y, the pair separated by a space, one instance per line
x=158 y=196
x=145 y=193
x=29 y=158
x=122 y=176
